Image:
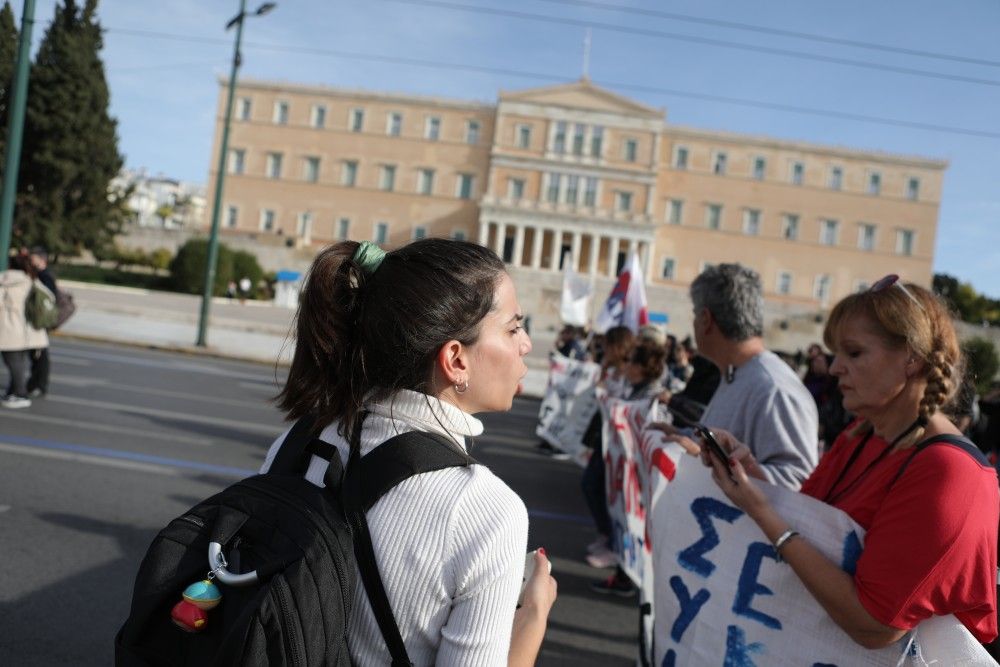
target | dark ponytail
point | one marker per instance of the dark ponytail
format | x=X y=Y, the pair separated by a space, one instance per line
x=361 y=336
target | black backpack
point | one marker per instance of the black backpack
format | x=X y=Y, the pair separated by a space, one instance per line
x=298 y=539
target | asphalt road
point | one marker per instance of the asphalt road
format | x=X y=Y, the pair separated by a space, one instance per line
x=128 y=439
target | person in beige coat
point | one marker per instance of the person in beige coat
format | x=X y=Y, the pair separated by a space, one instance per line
x=17 y=337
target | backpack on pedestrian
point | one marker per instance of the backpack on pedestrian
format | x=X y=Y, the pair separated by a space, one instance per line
x=262 y=573
x=66 y=307
x=40 y=307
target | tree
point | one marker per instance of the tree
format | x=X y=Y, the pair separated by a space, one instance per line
x=982 y=362
x=8 y=52
x=65 y=198
x=187 y=269
x=967 y=303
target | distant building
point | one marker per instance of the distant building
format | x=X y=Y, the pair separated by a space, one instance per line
x=158 y=201
x=576 y=173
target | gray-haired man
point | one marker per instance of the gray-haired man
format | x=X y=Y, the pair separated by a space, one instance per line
x=760 y=400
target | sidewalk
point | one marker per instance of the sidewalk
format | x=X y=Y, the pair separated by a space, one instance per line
x=254 y=331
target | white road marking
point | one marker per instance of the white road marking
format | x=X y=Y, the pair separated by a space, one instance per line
x=107 y=428
x=78 y=381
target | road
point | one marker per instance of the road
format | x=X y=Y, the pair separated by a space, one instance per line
x=129 y=438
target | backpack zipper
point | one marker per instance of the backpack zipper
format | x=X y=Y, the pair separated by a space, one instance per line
x=282 y=593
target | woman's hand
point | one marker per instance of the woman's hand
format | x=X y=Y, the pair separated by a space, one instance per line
x=531 y=617
x=541 y=589
x=674 y=435
x=737 y=450
x=736 y=484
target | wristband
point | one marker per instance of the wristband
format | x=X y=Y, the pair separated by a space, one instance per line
x=782 y=541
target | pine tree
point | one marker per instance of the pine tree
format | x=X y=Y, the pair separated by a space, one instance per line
x=70 y=141
x=8 y=52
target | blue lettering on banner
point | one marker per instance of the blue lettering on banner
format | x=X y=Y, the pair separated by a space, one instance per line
x=670 y=659
x=823 y=664
x=748 y=585
x=852 y=551
x=737 y=650
x=703 y=509
x=690 y=606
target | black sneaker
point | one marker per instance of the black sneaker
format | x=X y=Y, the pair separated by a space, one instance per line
x=615 y=585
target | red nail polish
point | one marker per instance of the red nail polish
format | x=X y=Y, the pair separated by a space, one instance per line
x=732 y=462
x=541 y=550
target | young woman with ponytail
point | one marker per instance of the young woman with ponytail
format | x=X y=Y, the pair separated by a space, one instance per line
x=422 y=338
x=928 y=501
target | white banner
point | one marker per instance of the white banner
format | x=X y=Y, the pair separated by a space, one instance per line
x=569 y=405
x=574 y=307
x=722 y=598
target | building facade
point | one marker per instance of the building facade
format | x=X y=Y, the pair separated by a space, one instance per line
x=158 y=201
x=577 y=175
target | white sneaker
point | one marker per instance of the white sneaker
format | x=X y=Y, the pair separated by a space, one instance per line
x=15 y=402
x=600 y=544
x=602 y=558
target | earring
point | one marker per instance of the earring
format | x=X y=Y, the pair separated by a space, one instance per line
x=464 y=387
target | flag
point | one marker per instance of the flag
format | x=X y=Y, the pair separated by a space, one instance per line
x=575 y=305
x=626 y=306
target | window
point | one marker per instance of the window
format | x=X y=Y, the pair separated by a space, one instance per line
x=381 y=232
x=579 y=136
x=676 y=211
x=861 y=285
x=425 y=181
x=304 y=224
x=318 y=116
x=912 y=188
x=464 y=187
x=458 y=234
x=273 y=167
x=866 y=236
x=828 y=232
x=790 y=227
x=836 y=178
x=784 y=285
x=266 y=220
x=349 y=173
x=874 y=183
x=419 y=232
x=232 y=216
x=552 y=194
x=759 y=168
x=472 y=132
x=394 y=124
x=798 y=172
x=751 y=221
x=572 y=188
x=623 y=201
x=821 y=288
x=244 y=108
x=357 y=120
x=680 y=157
x=904 y=242
x=515 y=188
x=667 y=273
x=387 y=177
x=524 y=136
x=629 y=150
x=713 y=216
x=432 y=128
x=590 y=192
x=237 y=160
x=719 y=164
x=312 y=169
x=343 y=229
x=596 y=141
x=280 y=115
x=559 y=141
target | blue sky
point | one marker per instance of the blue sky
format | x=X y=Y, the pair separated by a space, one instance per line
x=163 y=61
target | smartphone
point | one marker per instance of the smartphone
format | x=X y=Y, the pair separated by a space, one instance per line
x=713 y=445
x=529 y=570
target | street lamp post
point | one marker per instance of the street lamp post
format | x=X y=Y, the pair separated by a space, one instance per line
x=220 y=176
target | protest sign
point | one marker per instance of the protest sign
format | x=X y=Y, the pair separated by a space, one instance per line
x=722 y=597
x=569 y=405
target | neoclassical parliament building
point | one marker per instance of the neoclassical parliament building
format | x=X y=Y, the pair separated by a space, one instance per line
x=575 y=174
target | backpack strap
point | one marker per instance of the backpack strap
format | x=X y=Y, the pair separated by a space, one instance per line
x=954 y=440
x=367 y=479
x=298 y=448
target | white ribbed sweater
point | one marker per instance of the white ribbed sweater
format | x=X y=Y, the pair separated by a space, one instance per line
x=450 y=546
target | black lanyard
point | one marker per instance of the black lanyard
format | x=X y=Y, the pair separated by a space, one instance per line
x=830 y=497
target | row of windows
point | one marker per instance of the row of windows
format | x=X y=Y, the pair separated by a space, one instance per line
x=274 y=165
x=267 y=222
x=356 y=120
x=576 y=139
x=796 y=172
x=829 y=229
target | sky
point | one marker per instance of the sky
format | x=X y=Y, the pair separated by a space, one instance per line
x=935 y=79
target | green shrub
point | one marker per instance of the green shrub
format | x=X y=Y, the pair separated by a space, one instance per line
x=187 y=268
x=160 y=258
x=90 y=273
x=245 y=266
x=982 y=362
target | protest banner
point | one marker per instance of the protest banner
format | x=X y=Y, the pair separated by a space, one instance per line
x=569 y=405
x=574 y=306
x=626 y=305
x=722 y=597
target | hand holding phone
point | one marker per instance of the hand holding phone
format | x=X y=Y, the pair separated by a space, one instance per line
x=708 y=438
x=529 y=571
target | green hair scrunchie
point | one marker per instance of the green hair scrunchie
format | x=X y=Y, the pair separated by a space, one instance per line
x=369 y=257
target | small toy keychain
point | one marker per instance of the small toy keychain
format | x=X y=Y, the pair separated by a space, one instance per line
x=189 y=614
